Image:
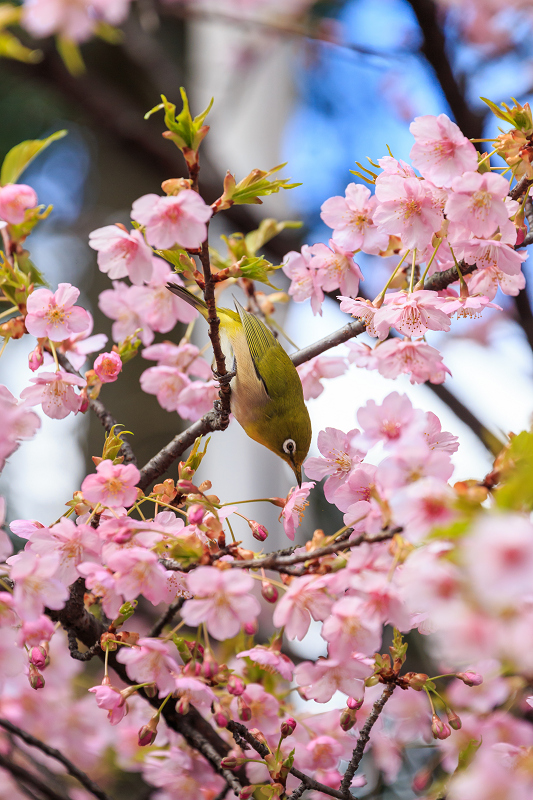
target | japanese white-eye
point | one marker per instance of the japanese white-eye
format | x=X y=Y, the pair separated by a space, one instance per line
x=266 y=392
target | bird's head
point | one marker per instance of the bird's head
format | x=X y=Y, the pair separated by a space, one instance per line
x=286 y=430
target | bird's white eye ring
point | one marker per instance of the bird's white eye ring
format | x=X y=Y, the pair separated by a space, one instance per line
x=289 y=446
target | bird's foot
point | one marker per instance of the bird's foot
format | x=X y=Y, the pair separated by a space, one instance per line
x=225 y=379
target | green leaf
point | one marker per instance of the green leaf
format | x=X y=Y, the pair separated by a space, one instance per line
x=500 y=113
x=265 y=232
x=174 y=257
x=256 y=269
x=252 y=188
x=71 y=56
x=187 y=133
x=20 y=156
x=516 y=490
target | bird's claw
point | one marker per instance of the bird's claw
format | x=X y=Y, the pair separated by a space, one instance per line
x=225 y=379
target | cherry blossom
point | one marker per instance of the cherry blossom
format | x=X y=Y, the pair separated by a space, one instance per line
x=441 y=152
x=415 y=358
x=263 y=706
x=114 y=485
x=108 y=367
x=313 y=371
x=158 y=308
x=393 y=422
x=150 y=661
x=487 y=282
x=294 y=508
x=222 y=600
x=185 y=357
x=412 y=313
x=349 y=629
x=137 y=571
x=408 y=209
x=351 y=220
x=271 y=659
x=53 y=314
x=320 y=681
x=196 y=399
x=15 y=198
x=17 y=424
x=340 y=454
x=306 y=597
x=112 y=701
x=122 y=253
x=35 y=584
x=423 y=505
x=77 y=347
x=486 y=253
x=336 y=268
x=468 y=306
x=54 y=391
x=102 y=584
x=173 y=220
x=121 y=303
x=304 y=277
x=361 y=309
x=73 y=543
x=166 y=383
x=42 y=18
x=477 y=202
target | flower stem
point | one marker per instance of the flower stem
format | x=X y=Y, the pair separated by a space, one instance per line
x=420 y=284
x=53 y=349
x=382 y=293
x=412 y=282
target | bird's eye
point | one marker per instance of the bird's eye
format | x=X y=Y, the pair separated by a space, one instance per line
x=289 y=446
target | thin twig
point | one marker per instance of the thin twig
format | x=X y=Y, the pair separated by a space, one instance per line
x=364 y=736
x=76 y=653
x=71 y=768
x=24 y=776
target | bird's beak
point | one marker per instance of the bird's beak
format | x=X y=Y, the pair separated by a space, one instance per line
x=298 y=472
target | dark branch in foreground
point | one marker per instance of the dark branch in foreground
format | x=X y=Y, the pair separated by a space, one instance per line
x=27 y=778
x=364 y=736
x=71 y=768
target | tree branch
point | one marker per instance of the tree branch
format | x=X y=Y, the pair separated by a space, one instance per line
x=71 y=768
x=24 y=776
x=166 y=618
x=364 y=736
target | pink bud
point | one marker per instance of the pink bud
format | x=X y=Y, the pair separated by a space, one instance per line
x=108 y=366
x=236 y=685
x=209 y=667
x=186 y=486
x=39 y=657
x=196 y=514
x=84 y=401
x=147 y=734
x=354 y=704
x=35 y=678
x=229 y=762
x=269 y=592
x=416 y=680
x=470 y=678
x=245 y=712
x=287 y=727
x=246 y=792
x=193 y=668
x=454 y=719
x=347 y=719
x=257 y=734
x=36 y=358
x=421 y=780
x=259 y=532
x=15 y=198
x=250 y=628
x=182 y=706
x=439 y=729
x=221 y=719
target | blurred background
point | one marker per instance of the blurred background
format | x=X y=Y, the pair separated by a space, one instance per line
x=319 y=85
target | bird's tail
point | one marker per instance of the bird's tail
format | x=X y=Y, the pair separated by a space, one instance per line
x=189 y=297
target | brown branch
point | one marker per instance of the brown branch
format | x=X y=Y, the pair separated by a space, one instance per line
x=71 y=768
x=363 y=739
x=441 y=280
x=105 y=416
x=25 y=777
x=240 y=732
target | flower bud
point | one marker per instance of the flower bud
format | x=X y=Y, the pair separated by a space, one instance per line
x=421 y=780
x=439 y=729
x=246 y=792
x=36 y=358
x=193 y=668
x=221 y=716
x=347 y=719
x=259 y=735
x=269 y=592
x=148 y=733
x=454 y=720
x=470 y=678
x=108 y=366
x=250 y=628
x=186 y=486
x=355 y=704
x=245 y=712
x=236 y=685
x=39 y=657
x=209 y=666
x=150 y=690
x=288 y=727
x=35 y=678
x=259 y=532
x=229 y=762
x=195 y=514
x=182 y=706
x=416 y=680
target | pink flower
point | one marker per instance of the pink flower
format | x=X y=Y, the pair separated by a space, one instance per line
x=101 y=583
x=222 y=600
x=410 y=464
x=487 y=281
x=17 y=423
x=436 y=438
x=336 y=268
x=12 y=658
x=185 y=357
x=409 y=209
x=108 y=366
x=166 y=383
x=121 y=303
x=196 y=399
x=441 y=152
x=359 y=485
x=351 y=220
x=324 y=753
x=320 y=681
x=54 y=314
x=122 y=253
x=412 y=313
x=305 y=598
x=423 y=505
x=111 y=699
x=469 y=306
x=35 y=586
x=114 y=485
x=477 y=202
x=77 y=347
x=305 y=281
x=491 y=253
x=75 y=21
x=263 y=706
x=362 y=355
x=419 y=359
x=393 y=422
x=313 y=371
x=270 y=659
x=294 y=508
x=73 y=543
x=54 y=391
x=340 y=455
x=351 y=629
x=173 y=220
x=137 y=571
x=193 y=690
x=158 y=308
x=15 y=198
x=150 y=661
x=361 y=309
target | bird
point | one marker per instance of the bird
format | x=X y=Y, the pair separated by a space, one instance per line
x=266 y=392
